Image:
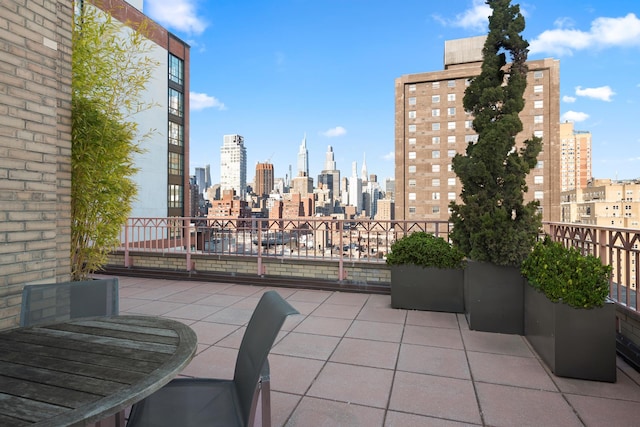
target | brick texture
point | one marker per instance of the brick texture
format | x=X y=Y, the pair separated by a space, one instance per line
x=35 y=145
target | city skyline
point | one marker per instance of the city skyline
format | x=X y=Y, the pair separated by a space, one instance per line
x=267 y=71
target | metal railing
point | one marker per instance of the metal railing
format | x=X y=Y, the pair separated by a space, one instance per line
x=363 y=240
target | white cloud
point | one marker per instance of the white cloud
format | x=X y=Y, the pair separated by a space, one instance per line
x=200 y=101
x=603 y=93
x=176 y=14
x=336 y=131
x=475 y=18
x=604 y=32
x=569 y=99
x=574 y=116
x=391 y=155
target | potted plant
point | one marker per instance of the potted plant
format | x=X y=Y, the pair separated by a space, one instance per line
x=426 y=274
x=568 y=318
x=493 y=226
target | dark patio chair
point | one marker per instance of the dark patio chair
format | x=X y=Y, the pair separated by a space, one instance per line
x=201 y=402
x=58 y=302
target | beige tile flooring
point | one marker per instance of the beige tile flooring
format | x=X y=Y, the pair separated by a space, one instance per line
x=351 y=360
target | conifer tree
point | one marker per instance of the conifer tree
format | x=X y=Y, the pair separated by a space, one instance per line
x=493 y=224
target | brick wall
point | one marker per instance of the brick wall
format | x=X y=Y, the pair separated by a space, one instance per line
x=35 y=147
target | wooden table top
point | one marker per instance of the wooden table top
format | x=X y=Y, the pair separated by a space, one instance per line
x=81 y=371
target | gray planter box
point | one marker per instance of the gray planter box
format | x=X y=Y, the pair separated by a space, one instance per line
x=431 y=289
x=573 y=342
x=494 y=298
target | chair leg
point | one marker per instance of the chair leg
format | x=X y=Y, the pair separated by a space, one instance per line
x=265 y=391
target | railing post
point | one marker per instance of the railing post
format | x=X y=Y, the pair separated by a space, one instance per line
x=341 y=273
x=187 y=231
x=127 y=261
x=259 y=231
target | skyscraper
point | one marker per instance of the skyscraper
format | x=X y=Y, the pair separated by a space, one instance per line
x=355 y=188
x=303 y=157
x=264 y=179
x=575 y=157
x=431 y=126
x=329 y=178
x=233 y=165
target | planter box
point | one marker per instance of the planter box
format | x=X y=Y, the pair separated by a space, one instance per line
x=494 y=298
x=432 y=289
x=573 y=342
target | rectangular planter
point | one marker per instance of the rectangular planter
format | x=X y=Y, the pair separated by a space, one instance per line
x=494 y=298
x=573 y=342
x=430 y=288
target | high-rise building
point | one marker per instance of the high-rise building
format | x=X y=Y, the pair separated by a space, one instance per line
x=233 y=165
x=431 y=126
x=575 y=157
x=355 y=188
x=329 y=178
x=264 y=179
x=303 y=158
x=207 y=177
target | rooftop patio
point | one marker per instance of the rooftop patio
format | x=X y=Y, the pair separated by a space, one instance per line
x=349 y=359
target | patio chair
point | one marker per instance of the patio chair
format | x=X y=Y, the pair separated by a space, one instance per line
x=222 y=402
x=68 y=300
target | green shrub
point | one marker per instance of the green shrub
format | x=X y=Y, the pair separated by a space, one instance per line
x=565 y=275
x=425 y=250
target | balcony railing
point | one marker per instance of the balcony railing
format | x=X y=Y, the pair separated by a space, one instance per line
x=366 y=241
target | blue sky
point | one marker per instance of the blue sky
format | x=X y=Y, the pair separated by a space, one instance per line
x=273 y=70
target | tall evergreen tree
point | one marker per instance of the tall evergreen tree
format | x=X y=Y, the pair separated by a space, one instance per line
x=493 y=224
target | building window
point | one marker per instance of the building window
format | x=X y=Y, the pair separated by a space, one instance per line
x=451 y=83
x=537 y=88
x=435 y=154
x=467 y=82
x=435 y=112
x=451 y=139
x=435 y=85
x=537 y=104
x=451 y=153
x=435 y=168
x=451 y=181
x=412 y=169
x=435 y=140
x=538 y=133
x=451 y=111
x=412 y=196
x=176 y=164
x=176 y=69
x=176 y=102
x=435 y=182
x=412 y=128
x=449 y=167
x=538 y=179
x=176 y=197
x=412 y=114
x=468 y=124
x=176 y=134
x=451 y=97
x=435 y=196
x=435 y=98
x=412 y=183
x=537 y=74
x=412 y=88
x=537 y=119
x=451 y=195
x=435 y=126
x=538 y=195
x=412 y=100
x=451 y=125
x=412 y=209
x=435 y=209
x=412 y=141
x=412 y=155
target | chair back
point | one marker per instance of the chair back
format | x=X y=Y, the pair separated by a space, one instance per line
x=261 y=333
x=58 y=302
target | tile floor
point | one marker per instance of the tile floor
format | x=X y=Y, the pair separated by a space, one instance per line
x=351 y=360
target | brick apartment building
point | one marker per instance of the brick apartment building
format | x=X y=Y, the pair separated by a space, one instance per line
x=431 y=126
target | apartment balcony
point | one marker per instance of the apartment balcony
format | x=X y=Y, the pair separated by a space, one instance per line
x=350 y=360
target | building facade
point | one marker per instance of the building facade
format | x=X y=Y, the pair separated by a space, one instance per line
x=431 y=126
x=264 y=179
x=233 y=165
x=303 y=158
x=575 y=157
